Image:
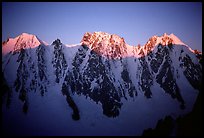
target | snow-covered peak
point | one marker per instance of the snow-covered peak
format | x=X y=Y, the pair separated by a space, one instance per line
x=90 y=38
x=109 y=45
x=176 y=40
x=23 y=41
x=29 y=39
x=169 y=39
x=26 y=34
x=112 y=44
x=164 y=40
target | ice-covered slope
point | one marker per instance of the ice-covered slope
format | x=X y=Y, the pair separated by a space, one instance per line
x=102 y=82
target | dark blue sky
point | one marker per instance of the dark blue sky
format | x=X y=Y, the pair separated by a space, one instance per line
x=136 y=22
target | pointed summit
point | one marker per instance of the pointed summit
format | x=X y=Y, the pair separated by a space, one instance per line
x=171 y=39
x=23 y=41
x=56 y=42
x=164 y=40
x=176 y=40
x=25 y=34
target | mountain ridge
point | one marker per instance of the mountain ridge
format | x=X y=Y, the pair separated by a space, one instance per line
x=131 y=86
x=103 y=41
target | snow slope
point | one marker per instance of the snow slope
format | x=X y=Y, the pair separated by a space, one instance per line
x=118 y=89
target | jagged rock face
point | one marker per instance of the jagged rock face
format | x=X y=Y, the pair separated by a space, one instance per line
x=166 y=40
x=31 y=74
x=165 y=76
x=150 y=44
x=128 y=84
x=110 y=46
x=59 y=62
x=22 y=82
x=193 y=72
x=42 y=69
x=105 y=69
x=146 y=78
x=93 y=81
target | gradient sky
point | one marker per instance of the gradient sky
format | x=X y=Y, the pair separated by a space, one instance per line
x=136 y=22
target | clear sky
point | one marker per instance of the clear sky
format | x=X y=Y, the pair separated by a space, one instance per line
x=136 y=22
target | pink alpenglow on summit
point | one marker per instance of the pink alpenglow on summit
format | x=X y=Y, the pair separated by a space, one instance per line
x=23 y=41
x=114 y=46
x=135 y=86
